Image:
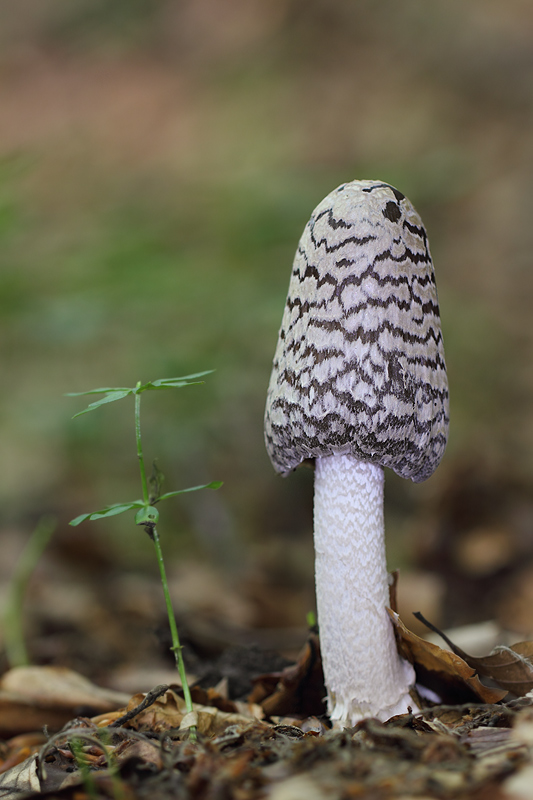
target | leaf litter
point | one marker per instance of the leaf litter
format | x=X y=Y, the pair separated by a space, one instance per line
x=278 y=744
x=509 y=667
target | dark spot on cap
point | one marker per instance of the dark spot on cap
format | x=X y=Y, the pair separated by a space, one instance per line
x=398 y=195
x=392 y=211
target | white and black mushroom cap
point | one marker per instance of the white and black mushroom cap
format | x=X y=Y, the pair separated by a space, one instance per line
x=359 y=366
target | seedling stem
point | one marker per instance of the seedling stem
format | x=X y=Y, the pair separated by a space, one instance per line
x=147 y=514
x=139 y=443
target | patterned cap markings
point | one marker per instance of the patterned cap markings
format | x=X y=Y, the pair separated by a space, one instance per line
x=359 y=366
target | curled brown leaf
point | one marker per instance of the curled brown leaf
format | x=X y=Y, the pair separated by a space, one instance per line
x=449 y=666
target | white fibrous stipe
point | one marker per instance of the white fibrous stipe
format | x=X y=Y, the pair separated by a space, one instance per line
x=365 y=676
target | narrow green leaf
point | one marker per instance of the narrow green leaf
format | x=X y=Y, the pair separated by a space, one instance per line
x=174 y=383
x=109 y=398
x=99 y=391
x=192 y=377
x=77 y=520
x=108 y=511
x=118 y=508
x=212 y=485
x=159 y=387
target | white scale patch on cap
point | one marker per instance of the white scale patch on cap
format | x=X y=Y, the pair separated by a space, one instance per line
x=359 y=367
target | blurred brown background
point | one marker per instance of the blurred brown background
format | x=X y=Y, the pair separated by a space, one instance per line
x=158 y=161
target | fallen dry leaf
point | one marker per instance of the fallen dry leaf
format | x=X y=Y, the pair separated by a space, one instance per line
x=32 y=697
x=297 y=690
x=20 y=780
x=212 y=697
x=509 y=667
x=168 y=712
x=450 y=668
x=19 y=748
x=60 y=687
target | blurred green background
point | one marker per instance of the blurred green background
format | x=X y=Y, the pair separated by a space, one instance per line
x=158 y=162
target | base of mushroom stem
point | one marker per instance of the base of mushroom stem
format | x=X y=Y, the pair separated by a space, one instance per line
x=343 y=716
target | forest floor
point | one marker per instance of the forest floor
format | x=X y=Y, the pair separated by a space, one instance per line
x=259 y=730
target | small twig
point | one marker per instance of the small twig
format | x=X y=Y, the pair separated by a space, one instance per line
x=520 y=702
x=457 y=650
x=149 y=700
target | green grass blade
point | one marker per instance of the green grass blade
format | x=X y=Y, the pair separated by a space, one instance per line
x=13 y=616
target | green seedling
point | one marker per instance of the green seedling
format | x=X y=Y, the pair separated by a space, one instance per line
x=17 y=654
x=147 y=514
x=81 y=741
x=77 y=750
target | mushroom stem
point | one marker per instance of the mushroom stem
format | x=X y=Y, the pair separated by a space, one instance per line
x=365 y=675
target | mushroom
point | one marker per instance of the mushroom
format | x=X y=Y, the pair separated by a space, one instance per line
x=358 y=384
